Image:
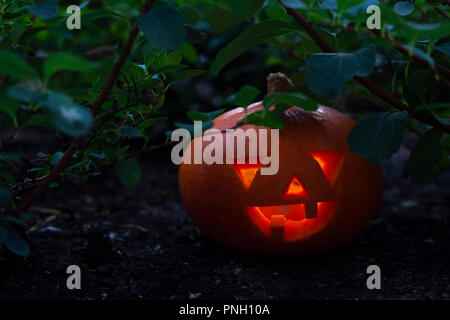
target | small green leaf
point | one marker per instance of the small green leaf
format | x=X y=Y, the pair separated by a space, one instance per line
x=13 y=157
x=64 y=61
x=15 y=67
x=243 y=97
x=190 y=127
x=291 y=99
x=189 y=52
x=425 y=156
x=266 y=118
x=185 y=75
x=56 y=157
x=129 y=173
x=297 y=4
x=220 y=19
x=91 y=16
x=190 y=14
x=256 y=34
x=379 y=136
x=16 y=244
x=68 y=117
x=10 y=107
x=15 y=220
x=355 y=6
x=243 y=8
x=130 y=132
x=164 y=28
x=421 y=54
x=443 y=47
x=404 y=8
x=151 y=122
x=329 y=72
x=46 y=10
x=25 y=94
x=5 y=195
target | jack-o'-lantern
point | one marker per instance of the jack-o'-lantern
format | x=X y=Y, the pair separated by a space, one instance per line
x=322 y=195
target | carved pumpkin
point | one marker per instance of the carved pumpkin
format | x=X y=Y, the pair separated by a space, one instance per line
x=322 y=196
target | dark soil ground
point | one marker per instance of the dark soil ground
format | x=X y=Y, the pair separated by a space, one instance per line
x=141 y=244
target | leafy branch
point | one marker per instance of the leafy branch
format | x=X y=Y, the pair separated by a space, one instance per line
x=365 y=81
x=78 y=141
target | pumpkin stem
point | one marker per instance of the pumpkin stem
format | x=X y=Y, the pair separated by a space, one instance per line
x=278 y=83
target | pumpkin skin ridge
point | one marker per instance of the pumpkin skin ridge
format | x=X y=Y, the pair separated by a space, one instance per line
x=216 y=199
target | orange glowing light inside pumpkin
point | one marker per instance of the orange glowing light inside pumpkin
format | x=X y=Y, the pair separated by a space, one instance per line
x=295 y=188
x=247 y=172
x=288 y=222
x=329 y=161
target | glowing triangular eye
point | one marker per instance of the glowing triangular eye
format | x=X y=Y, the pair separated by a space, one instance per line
x=247 y=173
x=329 y=161
x=295 y=188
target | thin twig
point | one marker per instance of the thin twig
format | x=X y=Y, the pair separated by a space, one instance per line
x=441 y=12
x=440 y=70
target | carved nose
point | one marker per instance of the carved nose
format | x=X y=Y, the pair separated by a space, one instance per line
x=296 y=189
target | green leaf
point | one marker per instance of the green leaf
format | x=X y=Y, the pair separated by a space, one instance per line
x=190 y=127
x=10 y=107
x=56 y=157
x=266 y=118
x=130 y=132
x=185 y=75
x=243 y=8
x=16 y=244
x=329 y=72
x=46 y=10
x=443 y=47
x=5 y=195
x=189 y=52
x=445 y=121
x=404 y=8
x=151 y=122
x=15 y=67
x=173 y=58
x=15 y=220
x=91 y=16
x=164 y=28
x=129 y=173
x=13 y=157
x=256 y=34
x=25 y=94
x=354 y=7
x=290 y=99
x=425 y=156
x=243 y=97
x=220 y=19
x=190 y=14
x=297 y=4
x=379 y=136
x=64 y=61
x=68 y=117
x=421 y=54
x=427 y=32
x=204 y=116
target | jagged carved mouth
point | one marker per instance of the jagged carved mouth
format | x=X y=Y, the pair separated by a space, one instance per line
x=292 y=222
